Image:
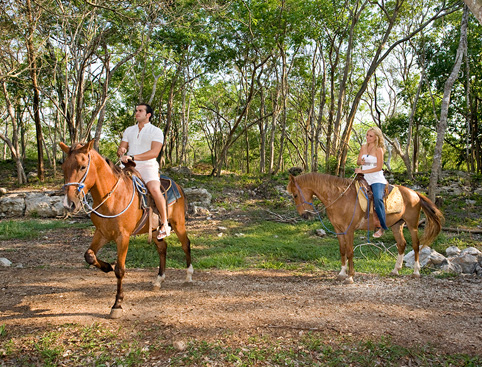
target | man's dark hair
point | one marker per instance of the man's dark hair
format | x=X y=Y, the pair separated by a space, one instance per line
x=148 y=109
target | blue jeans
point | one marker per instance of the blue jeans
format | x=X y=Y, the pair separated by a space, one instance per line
x=378 y=190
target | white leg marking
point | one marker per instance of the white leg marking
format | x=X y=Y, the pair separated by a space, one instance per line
x=343 y=271
x=189 y=272
x=416 y=269
x=342 y=274
x=159 y=280
x=398 y=264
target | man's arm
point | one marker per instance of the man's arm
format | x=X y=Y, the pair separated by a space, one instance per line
x=152 y=153
x=122 y=148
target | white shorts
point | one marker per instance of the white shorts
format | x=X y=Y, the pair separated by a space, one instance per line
x=149 y=170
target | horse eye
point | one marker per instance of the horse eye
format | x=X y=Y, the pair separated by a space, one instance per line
x=295 y=196
x=82 y=168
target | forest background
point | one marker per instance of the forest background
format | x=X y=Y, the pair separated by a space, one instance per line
x=245 y=86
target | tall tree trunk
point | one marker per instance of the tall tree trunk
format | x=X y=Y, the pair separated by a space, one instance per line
x=442 y=125
x=13 y=144
x=32 y=60
x=475 y=7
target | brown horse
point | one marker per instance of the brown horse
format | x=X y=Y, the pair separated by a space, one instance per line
x=116 y=212
x=339 y=196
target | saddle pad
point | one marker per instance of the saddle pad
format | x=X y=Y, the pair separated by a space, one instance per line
x=169 y=190
x=393 y=203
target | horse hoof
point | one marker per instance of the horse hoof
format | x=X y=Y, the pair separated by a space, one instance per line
x=394 y=273
x=116 y=313
x=416 y=276
x=341 y=277
x=349 y=280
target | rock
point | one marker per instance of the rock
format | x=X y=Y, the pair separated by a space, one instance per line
x=181 y=170
x=424 y=256
x=452 y=251
x=222 y=229
x=466 y=262
x=320 y=232
x=200 y=197
x=12 y=205
x=199 y=210
x=44 y=206
x=436 y=259
x=470 y=251
x=179 y=345
x=3 y=191
x=5 y=262
x=450 y=267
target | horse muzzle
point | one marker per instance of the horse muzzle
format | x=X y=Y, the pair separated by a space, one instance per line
x=72 y=206
x=306 y=215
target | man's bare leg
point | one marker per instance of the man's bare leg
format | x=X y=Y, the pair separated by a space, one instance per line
x=154 y=189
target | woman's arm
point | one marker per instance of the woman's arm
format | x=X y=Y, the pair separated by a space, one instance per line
x=359 y=161
x=379 y=166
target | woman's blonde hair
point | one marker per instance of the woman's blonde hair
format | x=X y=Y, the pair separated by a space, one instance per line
x=380 y=140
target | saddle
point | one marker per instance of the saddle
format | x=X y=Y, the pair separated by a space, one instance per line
x=392 y=198
x=168 y=189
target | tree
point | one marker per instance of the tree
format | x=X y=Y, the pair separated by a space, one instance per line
x=442 y=125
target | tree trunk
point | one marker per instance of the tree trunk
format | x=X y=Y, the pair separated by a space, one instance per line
x=32 y=60
x=442 y=125
x=475 y=7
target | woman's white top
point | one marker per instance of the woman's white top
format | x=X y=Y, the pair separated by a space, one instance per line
x=374 y=177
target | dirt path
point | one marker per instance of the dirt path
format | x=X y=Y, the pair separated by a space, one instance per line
x=445 y=313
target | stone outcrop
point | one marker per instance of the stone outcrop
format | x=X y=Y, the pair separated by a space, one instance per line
x=466 y=261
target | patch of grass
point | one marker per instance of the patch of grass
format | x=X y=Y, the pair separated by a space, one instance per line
x=270 y=245
x=33 y=228
x=315 y=349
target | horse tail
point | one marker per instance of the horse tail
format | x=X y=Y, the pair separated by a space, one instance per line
x=435 y=220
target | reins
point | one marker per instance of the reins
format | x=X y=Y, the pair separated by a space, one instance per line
x=327 y=206
x=83 y=196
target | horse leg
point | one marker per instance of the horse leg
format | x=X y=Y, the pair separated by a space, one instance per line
x=349 y=255
x=416 y=248
x=98 y=241
x=342 y=274
x=161 y=247
x=180 y=230
x=120 y=270
x=397 y=230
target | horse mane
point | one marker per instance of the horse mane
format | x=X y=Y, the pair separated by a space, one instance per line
x=329 y=182
x=116 y=170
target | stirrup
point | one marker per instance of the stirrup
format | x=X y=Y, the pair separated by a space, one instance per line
x=163 y=234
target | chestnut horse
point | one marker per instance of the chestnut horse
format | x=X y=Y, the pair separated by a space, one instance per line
x=116 y=212
x=339 y=196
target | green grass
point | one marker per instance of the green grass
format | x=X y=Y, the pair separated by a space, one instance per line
x=104 y=344
x=272 y=245
x=33 y=228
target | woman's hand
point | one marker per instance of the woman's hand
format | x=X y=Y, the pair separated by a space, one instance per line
x=358 y=170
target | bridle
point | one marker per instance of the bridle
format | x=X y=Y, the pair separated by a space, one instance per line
x=83 y=195
x=327 y=206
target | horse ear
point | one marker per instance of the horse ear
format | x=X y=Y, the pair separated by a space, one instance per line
x=64 y=147
x=87 y=147
x=90 y=145
x=292 y=178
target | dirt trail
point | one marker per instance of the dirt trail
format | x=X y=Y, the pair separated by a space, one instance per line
x=445 y=313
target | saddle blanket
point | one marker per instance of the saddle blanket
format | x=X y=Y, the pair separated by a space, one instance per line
x=169 y=190
x=393 y=203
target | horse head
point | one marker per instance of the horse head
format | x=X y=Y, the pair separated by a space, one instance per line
x=76 y=178
x=302 y=197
